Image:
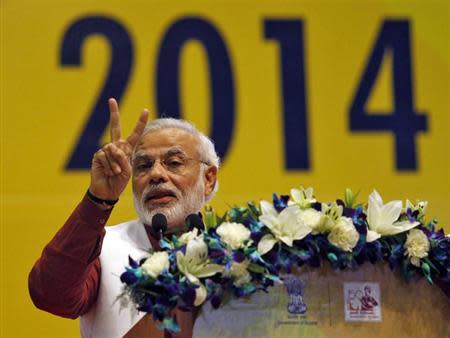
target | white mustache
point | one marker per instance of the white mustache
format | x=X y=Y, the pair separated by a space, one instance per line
x=150 y=189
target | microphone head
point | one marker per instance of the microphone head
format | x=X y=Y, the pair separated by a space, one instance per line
x=159 y=224
x=194 y=221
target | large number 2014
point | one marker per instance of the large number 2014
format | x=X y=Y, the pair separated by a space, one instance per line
x=394 y=37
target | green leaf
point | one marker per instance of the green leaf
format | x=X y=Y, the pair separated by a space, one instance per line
x=427 y=260
x=273 y=278
x=210 y=219
x=235 y=214
x=256 y=268
x=349 y=198
x=425 y=269
x=170 y=325
x=303 y=254
x=222 y=219
x=332 y=257
x=165 y=244
x=254 y=210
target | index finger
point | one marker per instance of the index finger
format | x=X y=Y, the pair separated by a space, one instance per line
x=138 y=129
x=114 y=120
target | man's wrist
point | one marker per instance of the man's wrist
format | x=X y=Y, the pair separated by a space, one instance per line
x=104 y=204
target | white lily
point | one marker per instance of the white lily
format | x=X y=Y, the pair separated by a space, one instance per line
x=382 y=218
x=302 y=197
x=187 y=236
x=421 y=206
x=331 y=214
x=285 y=226
x=333 y=211
x=315 y=220
x=200 y=295
x=194 y=264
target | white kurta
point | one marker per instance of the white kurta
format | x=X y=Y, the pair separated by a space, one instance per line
x=105 y=319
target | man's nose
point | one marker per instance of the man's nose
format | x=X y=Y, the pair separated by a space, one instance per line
x=158 y=173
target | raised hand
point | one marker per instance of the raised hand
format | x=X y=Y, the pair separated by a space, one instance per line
x=111 y=167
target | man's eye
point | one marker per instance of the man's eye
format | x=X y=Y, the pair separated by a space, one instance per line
x=174 y=163
x=143 y=166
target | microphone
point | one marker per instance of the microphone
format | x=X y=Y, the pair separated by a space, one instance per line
x=159 y=225
x=194 y=221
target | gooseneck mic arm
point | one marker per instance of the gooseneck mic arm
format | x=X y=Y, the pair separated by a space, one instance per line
x=159 y=225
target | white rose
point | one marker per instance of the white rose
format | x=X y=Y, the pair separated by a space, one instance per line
x=187 y=236
x=313 y=219
x=417 y=246
x=240 y=273
x=233 y=234
x=344 y=234
x=156 y=263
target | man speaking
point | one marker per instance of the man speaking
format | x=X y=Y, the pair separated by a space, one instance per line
x=173 y=168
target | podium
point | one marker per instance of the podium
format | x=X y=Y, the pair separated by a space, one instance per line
x=148 y=328
x=370 y=302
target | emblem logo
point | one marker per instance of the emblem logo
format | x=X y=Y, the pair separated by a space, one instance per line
x=362 y=301
x=295 y=288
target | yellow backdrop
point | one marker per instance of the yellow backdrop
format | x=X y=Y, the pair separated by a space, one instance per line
x=303 y=60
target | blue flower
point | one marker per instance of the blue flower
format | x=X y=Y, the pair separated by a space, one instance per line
x=128 y=277
x=280 y=203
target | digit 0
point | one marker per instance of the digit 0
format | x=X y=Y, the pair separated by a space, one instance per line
x=221 y=76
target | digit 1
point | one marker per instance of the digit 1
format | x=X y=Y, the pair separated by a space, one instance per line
x=220 y=74
x=404 y=122
x=114 y=85
x=289 y=35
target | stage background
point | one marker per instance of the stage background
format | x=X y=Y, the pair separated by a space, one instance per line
x=274 y=82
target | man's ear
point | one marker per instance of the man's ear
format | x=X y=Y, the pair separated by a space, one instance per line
x=210 y=177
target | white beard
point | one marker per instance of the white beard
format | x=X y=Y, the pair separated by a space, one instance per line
x=187 y=203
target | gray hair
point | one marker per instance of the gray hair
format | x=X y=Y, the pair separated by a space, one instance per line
x=207 y=151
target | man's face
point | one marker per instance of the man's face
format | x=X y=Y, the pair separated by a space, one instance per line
x=167 y=177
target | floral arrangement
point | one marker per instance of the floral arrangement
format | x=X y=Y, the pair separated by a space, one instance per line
x=246 y=249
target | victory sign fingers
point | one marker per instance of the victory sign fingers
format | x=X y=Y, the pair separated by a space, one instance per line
x=111 y=168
